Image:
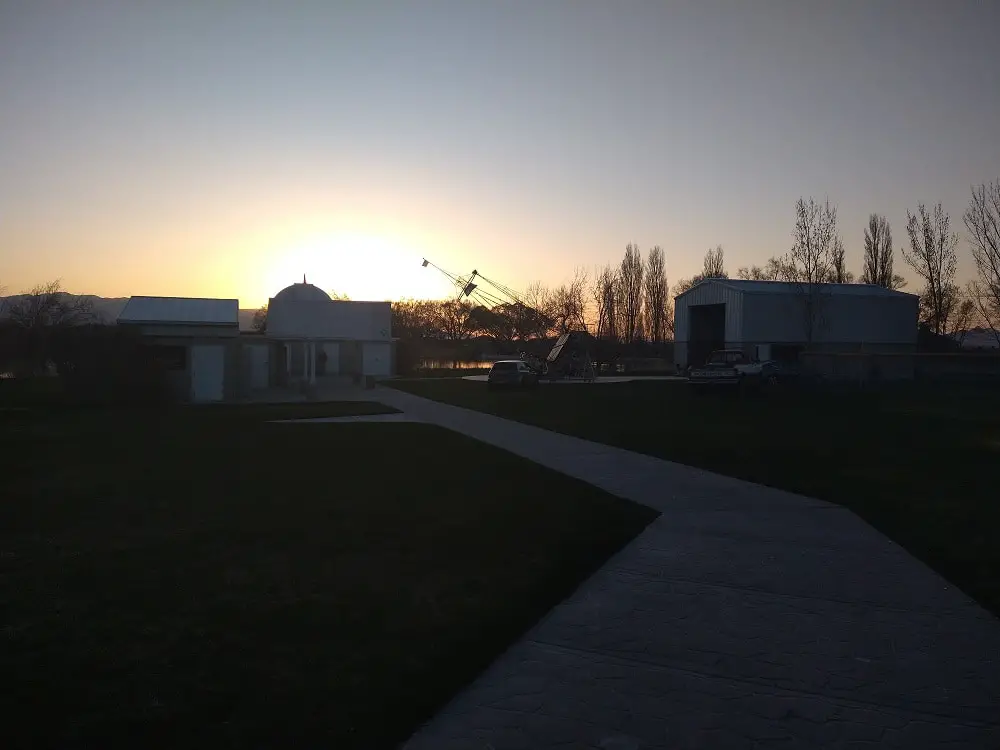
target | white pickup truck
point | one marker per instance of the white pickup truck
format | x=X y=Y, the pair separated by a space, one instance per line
x=733 y=368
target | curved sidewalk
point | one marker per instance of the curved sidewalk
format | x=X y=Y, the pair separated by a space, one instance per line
x=743 y=617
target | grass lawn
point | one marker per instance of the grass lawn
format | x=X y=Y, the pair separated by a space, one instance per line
x=919 y=465
x=200 y=578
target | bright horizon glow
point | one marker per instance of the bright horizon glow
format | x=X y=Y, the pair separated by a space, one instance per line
x=364 y=266
x=223 y=149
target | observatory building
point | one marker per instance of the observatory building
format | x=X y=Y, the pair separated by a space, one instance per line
x=308 y=339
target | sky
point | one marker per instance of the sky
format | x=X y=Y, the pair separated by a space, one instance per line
x=214 y=148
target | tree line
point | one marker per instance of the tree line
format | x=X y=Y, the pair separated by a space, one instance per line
x=630 y=301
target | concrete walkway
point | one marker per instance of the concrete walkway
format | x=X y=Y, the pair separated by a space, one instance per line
x=744 y=617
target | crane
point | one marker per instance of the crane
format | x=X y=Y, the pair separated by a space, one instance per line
x=498 y=294
x=569 y=356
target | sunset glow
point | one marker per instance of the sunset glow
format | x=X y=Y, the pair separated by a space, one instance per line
x=224 y=149
x=363 y=266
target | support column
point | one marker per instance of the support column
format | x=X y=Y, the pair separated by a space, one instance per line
x=288 y=362
x=312 y=363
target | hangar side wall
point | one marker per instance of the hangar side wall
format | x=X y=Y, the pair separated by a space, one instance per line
x=848 y=319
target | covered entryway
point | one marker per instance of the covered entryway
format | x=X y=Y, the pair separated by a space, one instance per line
x=208 y=368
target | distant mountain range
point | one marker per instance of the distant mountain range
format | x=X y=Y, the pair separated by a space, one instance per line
x=108 y=308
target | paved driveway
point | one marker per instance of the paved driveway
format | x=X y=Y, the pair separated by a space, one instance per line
x=744 y=617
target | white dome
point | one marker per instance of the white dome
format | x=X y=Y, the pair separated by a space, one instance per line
x=302 y=292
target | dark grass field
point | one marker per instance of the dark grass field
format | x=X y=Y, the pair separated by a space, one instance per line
x=199 y=578
x=921 y=465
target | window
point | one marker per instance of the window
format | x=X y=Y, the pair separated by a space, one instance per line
x=505 y=366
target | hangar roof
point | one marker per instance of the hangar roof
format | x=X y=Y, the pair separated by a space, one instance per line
x=790 y=287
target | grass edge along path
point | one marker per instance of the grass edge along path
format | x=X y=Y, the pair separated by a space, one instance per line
x=917 y=463
x=203 y=581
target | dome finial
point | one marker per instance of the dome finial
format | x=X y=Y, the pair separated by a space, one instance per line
x=303 y=278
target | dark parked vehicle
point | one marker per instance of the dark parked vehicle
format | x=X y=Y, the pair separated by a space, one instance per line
x=511 y=373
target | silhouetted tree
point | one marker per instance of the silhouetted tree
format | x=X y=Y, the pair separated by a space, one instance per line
x=838 y=264
x=605 y=295
x=565 y=306
x=932 y=256
x=492 y=322
x=657 y=295
x=259 y=321
x=629 y=295
x=878 y=262
x=982 y=219
x=775 y=269
x=961 y=319
x=48 y=305
x=531 y=319
x=454 y=320
x=713 y=267
x=810 y=261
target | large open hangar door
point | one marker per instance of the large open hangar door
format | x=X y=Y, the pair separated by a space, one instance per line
x=706 y=331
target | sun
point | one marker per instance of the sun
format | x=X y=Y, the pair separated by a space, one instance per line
x=364 y=266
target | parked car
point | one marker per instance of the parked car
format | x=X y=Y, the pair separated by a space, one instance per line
x=511 y=373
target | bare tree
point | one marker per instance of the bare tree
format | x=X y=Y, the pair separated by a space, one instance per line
x=713 y=267
x=48 y=305
x=982 y=219
x=838 y=264
x=813 y=240
x=932 y=256
x=878 y=260
x=454 y=319
x=775 y=269
x=606 y=300
x=529 y=317
x=259 y=321
x=630 y=294
x=414 y=319
x=810 y=260
x=961 y=319
x=657 y=295
x=566 y=304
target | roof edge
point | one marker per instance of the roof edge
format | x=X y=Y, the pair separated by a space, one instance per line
x=789 y=285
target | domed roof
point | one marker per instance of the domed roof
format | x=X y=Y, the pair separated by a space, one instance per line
x=301 y=292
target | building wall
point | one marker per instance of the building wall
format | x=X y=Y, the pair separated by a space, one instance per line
x=376 y=359
x=839 y=319
x=188 y=331
x=361 y=321
x=842 y=322
x=344 y=359
x=255 y=365
x=180 y=380
x=332 y=351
